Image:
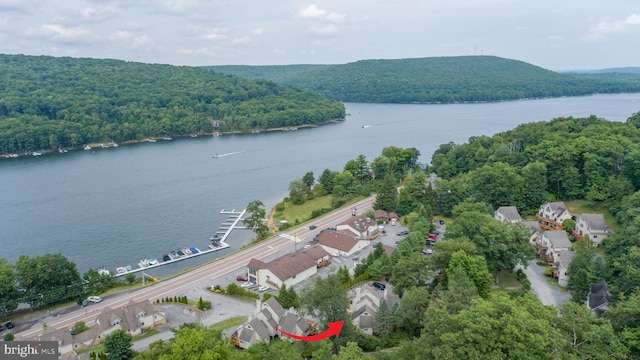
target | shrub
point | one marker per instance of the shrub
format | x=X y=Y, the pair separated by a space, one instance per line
x=8 y=336
x=280 y=206
x=79 y=327
x=520 y=275
x=548 y=271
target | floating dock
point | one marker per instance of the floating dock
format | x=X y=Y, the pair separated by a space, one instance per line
x=225 y=229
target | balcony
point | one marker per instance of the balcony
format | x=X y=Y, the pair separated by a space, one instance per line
x=548 y=224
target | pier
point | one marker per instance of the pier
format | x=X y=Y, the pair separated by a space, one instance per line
x=225 y=229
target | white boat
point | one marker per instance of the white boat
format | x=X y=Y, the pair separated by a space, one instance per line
x=115 y=145
x=144 y=263
x=87 y=147
x=123 y=269
x=36 y=153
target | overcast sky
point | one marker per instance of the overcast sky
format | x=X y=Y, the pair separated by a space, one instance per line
x=553 y=34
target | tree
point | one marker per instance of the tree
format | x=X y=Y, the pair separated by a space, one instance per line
x=8 y=288
x=309 y=180
x=409 y=272
x=625 y=320
x=500 y=327
x=475 y=269
x=192 y=342
x=411 y=309
x=49 y=278
x=384 y=320
x=497 y=184
x=78 y=327
x=96 y=283
x=255 y=220
x=586 y=267
x=414 y=194
x=287 y=297
x=459 y=295
x=8 y=336
x=325 y=298
x=118 y=345
x=298 y=191
x=324 y=351
x=326 y=179
x=359 y=167
x=351 y=352
x=587 y=336
x=387 y=196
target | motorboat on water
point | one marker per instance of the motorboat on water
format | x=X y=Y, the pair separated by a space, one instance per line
x=123 y=269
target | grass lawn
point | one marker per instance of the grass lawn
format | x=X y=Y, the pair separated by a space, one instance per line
x=506 y=279
x=99 y=348
x=584 y=206
x=301 y=213
x=229 y=323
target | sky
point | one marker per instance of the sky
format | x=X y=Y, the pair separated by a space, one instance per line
x=553 y=34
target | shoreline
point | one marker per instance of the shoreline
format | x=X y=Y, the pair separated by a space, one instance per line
x=110 y=144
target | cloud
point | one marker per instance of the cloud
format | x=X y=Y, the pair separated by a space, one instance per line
x=312 y=11
x=200 y=51
x=97 y=15
x=61 y=33
x=214 y=34
x=241 y=40
x=326 y=30
x=258 y=31
x=132 y=40
x=606 y=27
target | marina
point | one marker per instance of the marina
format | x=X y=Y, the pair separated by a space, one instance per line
x=217 y=243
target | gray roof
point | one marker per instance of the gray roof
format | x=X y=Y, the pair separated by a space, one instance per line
x=598 y=297
x=595 y=221
x=510 y=213
x=566 y=257
x=558 y=207
x=559 y=238
x=288 y=323
x=274 y=305
x=260 y=328
x=532 y=225
x=246 y=334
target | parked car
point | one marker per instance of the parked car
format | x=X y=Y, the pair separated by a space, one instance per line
x=263 y=288
x=379 y=286
x=246 y=284
x=431 y=241
x=242 y=278
x=312 y=227
x=434 y=232
x=82 y=303
x=9 y=325
x=427 y=251
x=94 y=299
x=1 y=328
x=403 y=232
x=441 y=222
x=432 y=236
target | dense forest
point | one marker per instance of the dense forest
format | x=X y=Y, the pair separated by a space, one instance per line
x=433 y=80
x=48 y=103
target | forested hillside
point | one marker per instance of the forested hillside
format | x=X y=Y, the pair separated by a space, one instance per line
x=433 y=80
x=47 y=103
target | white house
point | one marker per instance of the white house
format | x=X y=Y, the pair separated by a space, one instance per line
x=339 y=244
x=365 y=301
x=562 y=266
x=551 y=244
x=593 y=225
x=552 y=214
x=270 y=316
x=507 y=214
x=289 y=269
x=534 y=230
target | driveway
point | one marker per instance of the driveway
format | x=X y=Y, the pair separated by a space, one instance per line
x=547 y=293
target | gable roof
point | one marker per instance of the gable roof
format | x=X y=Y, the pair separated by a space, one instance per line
x=510 y=213
x=274 y=305
x=292 y=264
x=532 y=225
x=595 y=221
x=289 y=322
x=381 y=214
x=557 y=207
x=259 y=327
x=598 y=297
x=315 y=252
x=566 y=257
x=558 y=238
x=337 y=240
x=360 y=222
x=388 y=249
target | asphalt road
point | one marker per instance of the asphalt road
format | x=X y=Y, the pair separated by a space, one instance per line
x=200 y=277
x=548 y=294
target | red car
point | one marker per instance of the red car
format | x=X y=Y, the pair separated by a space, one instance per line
x=242 y=278
x=432 y=236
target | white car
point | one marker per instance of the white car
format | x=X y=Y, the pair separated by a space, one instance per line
x=263 y=288
x=94 y=299
x=246 y=284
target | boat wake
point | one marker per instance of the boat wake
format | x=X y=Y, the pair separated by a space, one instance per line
x=366 y=126
x=215 y=156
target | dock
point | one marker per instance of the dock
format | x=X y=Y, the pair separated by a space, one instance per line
x=225 y=229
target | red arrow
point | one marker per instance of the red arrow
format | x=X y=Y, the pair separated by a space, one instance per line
x=334 y=329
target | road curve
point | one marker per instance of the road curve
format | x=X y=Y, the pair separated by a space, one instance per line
x=203 y=275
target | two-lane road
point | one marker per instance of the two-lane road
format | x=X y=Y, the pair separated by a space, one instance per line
x=203 y=275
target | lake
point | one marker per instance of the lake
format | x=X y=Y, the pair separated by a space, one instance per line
x=113 y=206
